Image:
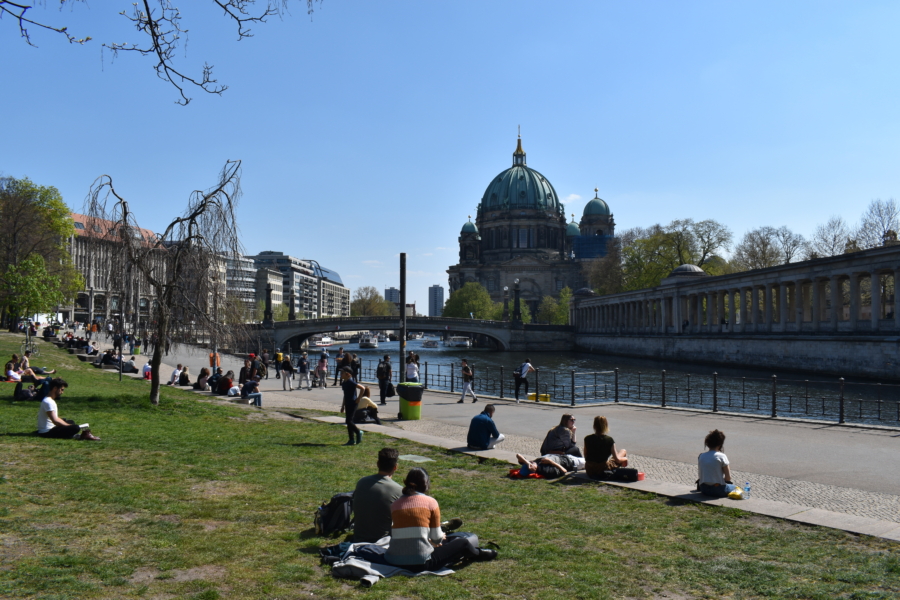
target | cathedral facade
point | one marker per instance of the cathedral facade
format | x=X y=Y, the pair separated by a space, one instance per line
x=520 y=233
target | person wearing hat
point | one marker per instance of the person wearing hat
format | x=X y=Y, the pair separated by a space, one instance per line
x=350 y=388
x=303 y=372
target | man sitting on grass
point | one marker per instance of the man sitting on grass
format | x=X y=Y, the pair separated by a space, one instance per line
x=551 y=466
x=373 y=498
x=49 y=423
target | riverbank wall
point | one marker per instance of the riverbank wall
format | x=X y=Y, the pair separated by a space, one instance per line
x=872 y=357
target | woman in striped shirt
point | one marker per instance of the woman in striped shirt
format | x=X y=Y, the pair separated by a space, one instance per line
x=417 y=541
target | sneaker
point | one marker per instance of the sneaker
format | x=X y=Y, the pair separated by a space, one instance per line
x=87 y=435
x=461 y=401
x=485 y=554
x=359 y=435
x=451 y=525
x=350 y=442
x=474 y=400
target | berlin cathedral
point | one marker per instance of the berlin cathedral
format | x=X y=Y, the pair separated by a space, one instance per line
x=520 y=232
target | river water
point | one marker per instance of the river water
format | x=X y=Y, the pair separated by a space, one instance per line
x=595 y=377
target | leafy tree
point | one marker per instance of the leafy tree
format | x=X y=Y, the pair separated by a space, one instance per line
x=34 y=221
x=697 y=242
x=647 y=261
x=29 y=288
x=547 y=310
x=562 y=311
x=604 y=275
x=470 y=301
x=367 y=302
x=159 y=21
x=280 y=311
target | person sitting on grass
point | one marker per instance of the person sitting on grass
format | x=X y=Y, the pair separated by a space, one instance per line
x=417 y=541
x=713 y=467
x=50 y=425
x=372 y=500
x=26 y=364
x=184 y=378
x=550 y=466
x=251 y=392
x=13 y=373
x=561 y=439
x=483 y=434
x=364 y=403
x=600 y=451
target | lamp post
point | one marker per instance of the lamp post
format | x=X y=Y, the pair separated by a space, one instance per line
x=506 y=303
x=517 y=307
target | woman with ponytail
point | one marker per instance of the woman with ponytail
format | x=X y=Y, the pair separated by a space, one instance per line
x=417 y=540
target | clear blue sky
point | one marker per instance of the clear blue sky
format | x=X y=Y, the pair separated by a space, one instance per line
x=374 y=127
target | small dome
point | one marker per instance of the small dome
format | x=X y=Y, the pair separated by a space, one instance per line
x=584 y=292
x=469 y=227
x=572 y=230
x=688 y=271
x=596 y=206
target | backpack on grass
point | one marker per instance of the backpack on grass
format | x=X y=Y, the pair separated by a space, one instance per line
x=334 y=515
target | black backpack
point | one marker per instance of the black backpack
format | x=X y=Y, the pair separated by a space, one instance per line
x=334 y=515
x=382 y=371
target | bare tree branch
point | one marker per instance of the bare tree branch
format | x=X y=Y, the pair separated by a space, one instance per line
x=18 y=12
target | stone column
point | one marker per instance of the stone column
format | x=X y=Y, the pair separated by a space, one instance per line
x=854 y=300
x=876 y=299
x=768 y=307
x=783 y=305
x=815 y=313
x=663 y=315
x=799 y=305
x=720 y=306
x=896 y=298
x=698 y=313
x=837 y=302
x=710 y=311
x=743 y=309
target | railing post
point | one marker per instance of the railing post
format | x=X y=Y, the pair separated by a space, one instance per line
x=573 y=387
x=452 y=371
x=841 y=417
x=639 y=386
x=426 y=375
x=689 y=388
x=715 y=392
x=774 y=395
x=537 y=385
x=501 y=382
x=617 y=385
x=664 y=388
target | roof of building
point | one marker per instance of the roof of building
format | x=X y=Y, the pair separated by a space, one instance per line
x=688 y=271
x=328 y=274
x=596 y=206
x=88 y=226
x=520 y=187
x=572 y=229
x=469 y=227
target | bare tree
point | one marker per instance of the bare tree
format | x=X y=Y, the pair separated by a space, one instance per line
x=184 y=265
x=829 y=239
x=697 y=242
x=880 y=217
x=758 y=249
x=789 y=243
x=160 y=22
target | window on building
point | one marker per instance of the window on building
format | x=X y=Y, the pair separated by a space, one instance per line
x=79 y=225
x=559 y=284
x=523 y=238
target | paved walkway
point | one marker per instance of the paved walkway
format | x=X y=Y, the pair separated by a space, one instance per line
x=840 y=476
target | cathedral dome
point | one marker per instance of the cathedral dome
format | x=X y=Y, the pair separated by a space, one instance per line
x=572 y=229
x=688 y=270
x=469 y=227
x=596 y=206
x=520 y=187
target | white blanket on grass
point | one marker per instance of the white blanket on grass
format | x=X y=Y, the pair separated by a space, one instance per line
x=368 y=573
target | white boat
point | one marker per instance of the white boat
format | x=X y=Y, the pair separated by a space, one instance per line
x=368 y=340
x=430 y=344
x=321 y=342
x=381 y=337
x=458 y=341
x=415 y=336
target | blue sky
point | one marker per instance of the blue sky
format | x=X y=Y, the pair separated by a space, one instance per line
x=373 y=128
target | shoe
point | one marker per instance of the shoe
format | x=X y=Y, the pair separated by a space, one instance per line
x=384 y=403
x=451 y=525
x=87 y=435
x=474 y=400
x=485 y=554
x=461 y=401
x=359 y=437
x=350 y=442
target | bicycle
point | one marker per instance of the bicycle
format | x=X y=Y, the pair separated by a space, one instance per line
x=31 y=346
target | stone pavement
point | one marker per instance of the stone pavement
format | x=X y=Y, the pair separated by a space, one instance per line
x=843 y=477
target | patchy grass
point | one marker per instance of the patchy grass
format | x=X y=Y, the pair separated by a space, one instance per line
x=195 y=499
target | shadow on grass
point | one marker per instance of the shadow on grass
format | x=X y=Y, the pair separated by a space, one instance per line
x=22 y=434
x=306 y=445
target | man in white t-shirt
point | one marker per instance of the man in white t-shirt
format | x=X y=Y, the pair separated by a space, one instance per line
x=175 y=375
x=48 y=422
x=520 y=376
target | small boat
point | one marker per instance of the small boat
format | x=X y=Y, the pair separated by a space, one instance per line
x=382 y=338
x=430 y=344
x=414 y=336
x=368 y=341
x=354 y=339
x=321 y=342
x=458 y=341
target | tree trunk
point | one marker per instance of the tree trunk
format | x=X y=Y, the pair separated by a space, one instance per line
x=162 y=324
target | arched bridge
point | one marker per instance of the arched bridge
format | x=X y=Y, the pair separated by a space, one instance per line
x=506 y=335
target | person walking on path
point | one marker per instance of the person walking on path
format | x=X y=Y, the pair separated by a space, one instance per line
x=303 y=372
x=279 y=358
x=412 y=370
x=350 y=389
x=286 y=369
x=520 y=376
x=338 y=360
x=483 y=434
x=383 y=374
x=322 y=370
x=265 y=361
x=468 y=380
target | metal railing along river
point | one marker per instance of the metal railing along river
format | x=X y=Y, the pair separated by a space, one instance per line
x=829 y=400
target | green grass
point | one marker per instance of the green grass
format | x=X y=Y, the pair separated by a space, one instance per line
x=202 y=500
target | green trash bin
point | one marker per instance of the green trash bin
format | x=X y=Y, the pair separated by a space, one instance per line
x=410 y=400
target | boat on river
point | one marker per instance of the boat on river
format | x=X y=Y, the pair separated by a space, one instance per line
x=430 y=344
x=321 y=342
x=458 y=341
x=368 y=340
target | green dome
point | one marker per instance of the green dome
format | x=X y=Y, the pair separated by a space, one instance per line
x=596 y=207
x=572 y=229
x=520 y=187
x=469 y=227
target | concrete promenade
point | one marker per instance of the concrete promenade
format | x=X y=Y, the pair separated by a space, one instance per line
x=842 y=471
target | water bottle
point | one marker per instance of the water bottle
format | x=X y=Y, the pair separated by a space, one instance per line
x=746 y=490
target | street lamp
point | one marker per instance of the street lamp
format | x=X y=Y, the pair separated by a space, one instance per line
x=517 y=308
x=506 y=303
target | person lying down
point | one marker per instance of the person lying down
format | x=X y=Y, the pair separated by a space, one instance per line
x=551 y=466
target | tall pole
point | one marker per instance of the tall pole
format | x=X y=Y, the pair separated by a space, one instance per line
x=401 y=366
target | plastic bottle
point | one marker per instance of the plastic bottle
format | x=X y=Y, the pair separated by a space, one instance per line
x=746 y=490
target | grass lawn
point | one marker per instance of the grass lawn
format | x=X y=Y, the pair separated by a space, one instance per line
x=203 y=500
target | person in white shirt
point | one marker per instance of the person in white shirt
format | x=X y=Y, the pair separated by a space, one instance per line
x=50 y=425
x=714 y=471
x=520 y=377
x=146 y=370
x=175 y=375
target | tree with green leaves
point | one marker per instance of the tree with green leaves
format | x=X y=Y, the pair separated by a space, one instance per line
x=470 y=301
x=35 y=222
x=29 y=288
x=367 y=302
x=553 y=311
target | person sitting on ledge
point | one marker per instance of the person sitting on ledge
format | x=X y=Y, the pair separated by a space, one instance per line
x=202 y=383
x=147 y=370
x=714 y=471
x=214 y=379
x=49 y=423
x=561 y=439
x=129 y=366
x=600 y=451
x=184 y=378
x=483 y=434
x=225 y=383
x=175 y=375
x=551 y=466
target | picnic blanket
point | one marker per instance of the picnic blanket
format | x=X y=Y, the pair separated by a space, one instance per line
x=523 y=473
x=366 y=563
